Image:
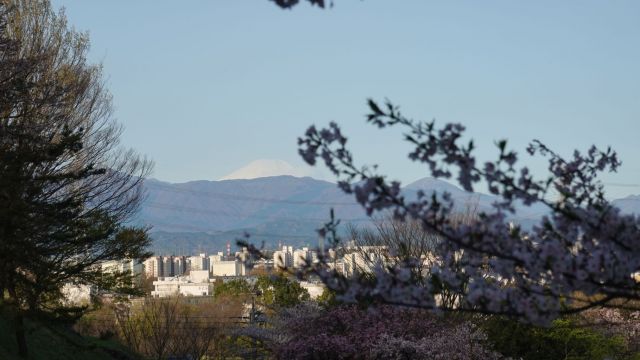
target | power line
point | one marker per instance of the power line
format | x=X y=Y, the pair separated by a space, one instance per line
x=622 y=184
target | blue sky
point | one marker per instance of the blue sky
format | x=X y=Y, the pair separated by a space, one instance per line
x=205 y=87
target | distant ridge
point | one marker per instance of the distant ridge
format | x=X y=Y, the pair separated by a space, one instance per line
x=629 y=204
x=279 y=208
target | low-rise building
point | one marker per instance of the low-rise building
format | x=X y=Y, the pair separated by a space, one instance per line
x=197 y=283
x=314 y=289
x=228 y=268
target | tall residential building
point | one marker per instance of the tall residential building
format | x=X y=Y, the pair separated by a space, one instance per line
x=133 y=267
x=217 y=257
x=179 y=265
x=167 y=266
x=199 y=262
x=153 y=266
x=363 y=259
x=283 y=258
x=301 y=257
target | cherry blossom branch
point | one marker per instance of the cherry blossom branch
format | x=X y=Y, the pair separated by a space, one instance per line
x=584 y=245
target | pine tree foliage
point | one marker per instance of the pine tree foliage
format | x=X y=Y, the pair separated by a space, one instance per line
x=66 y=185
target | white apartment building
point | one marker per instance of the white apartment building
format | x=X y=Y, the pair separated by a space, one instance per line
x=339 y=266
x=81 y=294
x=361 y=263
x=304 y=256
x=133 y=267
x=228 y=268
x=197 y=283
x=167 y=266
x=300 y=257
x=315 y=289
x=179 y=265
x=363 y=259
x=153 y=266
x=217 y=257
x=199 y=262
x=283 y=258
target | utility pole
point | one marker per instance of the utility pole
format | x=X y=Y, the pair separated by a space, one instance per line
x=252 y=317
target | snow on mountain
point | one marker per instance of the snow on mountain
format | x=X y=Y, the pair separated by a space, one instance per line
x=265 y=168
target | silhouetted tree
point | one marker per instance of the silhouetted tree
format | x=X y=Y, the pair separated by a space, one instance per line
x=66 y=187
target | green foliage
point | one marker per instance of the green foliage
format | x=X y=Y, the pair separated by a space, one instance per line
x=564 y=339
x=275 y=291
x=327 y=299
x=238 y=287
x=66 y=187
x=280 y=291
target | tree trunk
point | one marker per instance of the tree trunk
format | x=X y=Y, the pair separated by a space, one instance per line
x=20 y=336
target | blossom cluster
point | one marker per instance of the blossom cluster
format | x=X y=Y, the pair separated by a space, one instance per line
x=583 y=246
x=385 y=332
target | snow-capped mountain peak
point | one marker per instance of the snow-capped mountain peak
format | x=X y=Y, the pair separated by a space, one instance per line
x=264 y=168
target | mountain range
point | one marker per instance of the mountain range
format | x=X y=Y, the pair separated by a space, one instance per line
x=206 y=215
